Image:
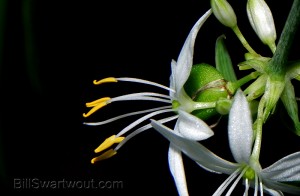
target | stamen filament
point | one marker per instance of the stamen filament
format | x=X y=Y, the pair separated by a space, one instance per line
x=140 y=120
x=137 y=96
x=126 y=115
x=235 y=182
x=105 y=80
x=105 y=155
x=137 y=80
x=141 y=129
x=225 y=184
x=246 y=187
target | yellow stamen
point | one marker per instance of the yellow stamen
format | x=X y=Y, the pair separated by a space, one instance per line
x=105 y=80
x=94 y=109
x=109 y=142
x=96 y=102
x=105 y=155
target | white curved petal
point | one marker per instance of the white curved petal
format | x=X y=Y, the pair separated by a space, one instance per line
x=177 y=169
x=281 y=187
x=196 y=151
x=240 y=130
x=172 y=79
x=192 y=128
x=286 y=169
x=272 y=191
x=185 y=58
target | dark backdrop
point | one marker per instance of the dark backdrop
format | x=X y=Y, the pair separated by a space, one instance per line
x=53 y=50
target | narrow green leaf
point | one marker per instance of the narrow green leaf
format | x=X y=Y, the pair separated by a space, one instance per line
x=223 y=60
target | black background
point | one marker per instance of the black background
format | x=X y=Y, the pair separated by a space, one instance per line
x=42 y=135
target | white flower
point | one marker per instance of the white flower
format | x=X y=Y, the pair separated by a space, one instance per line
x=261 y=20
x=177 y=101
x=270 y=180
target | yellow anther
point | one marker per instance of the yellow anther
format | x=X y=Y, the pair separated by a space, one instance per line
x=105 y=155
x=108 y=143
x=94 y=109
x=105 y=80
x=96 y=102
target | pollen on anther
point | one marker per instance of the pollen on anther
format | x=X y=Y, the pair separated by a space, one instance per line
x=96 y=102
x=105 y=80
x=105 y=155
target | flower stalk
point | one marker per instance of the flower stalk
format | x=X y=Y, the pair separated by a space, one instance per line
x=286 y=39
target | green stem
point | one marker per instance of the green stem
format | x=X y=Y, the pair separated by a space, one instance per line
x=242 y=39
x=280 y=57
x=258 y=131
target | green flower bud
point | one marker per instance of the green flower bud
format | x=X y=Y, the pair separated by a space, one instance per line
x=206 y=84
x=224 y=12
x=261 y=20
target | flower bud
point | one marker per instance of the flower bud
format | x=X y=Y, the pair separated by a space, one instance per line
x=261 y=20
x=205 y=84
x=224 y=12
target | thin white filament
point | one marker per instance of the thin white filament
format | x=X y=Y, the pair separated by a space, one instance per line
x=141 y=129
x=142 y=96
x=126 y=115
x=225 y=184
x=256 y=185
x=137 y=80
x=246 y=187
x=261 y=188
x=140 y=120
x=235 y=182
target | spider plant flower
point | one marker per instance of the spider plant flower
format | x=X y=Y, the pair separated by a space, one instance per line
x=224 y=12
x=273 y=180
x=176 y=100
x=261 y=20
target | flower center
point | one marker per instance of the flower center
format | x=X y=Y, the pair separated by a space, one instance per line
x=175 y=104
x=249 y=174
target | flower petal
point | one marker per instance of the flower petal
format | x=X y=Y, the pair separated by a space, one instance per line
x=177 y=169
x=196 y=151
x=172 y=78
x=240 y=131
x=185 y=58
x=286 y=169
x=278 y=186
x=192 y=128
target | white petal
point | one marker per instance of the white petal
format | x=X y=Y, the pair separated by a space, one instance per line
x=277 y=187
x=172 y=78
x=272 y=192
x=177 y=169
x=192 y=128
x=185 y=58
x=240 y=131
x=286 y=169
x=196 y=151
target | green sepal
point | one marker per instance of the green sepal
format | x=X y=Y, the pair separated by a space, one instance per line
x=293 y=70
x=223 y=60
x=258 y=64
x=257 y=88
x=289 y=100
